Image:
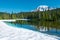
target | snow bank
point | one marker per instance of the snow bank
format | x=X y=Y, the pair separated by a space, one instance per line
x=8 y=20
x=11 y=33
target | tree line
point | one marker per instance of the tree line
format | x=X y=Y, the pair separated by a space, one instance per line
x=50 y=15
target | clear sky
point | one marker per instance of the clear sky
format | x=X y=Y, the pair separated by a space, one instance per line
x=25 y=5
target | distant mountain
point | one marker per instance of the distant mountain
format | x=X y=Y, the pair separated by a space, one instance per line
x=43 y=8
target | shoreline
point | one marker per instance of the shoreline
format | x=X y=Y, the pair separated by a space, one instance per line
x=12 y=33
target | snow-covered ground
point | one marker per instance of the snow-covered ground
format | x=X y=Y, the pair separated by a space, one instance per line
x=11 y=33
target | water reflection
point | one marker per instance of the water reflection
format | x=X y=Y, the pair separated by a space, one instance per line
x=50 y=27
x=41 y=24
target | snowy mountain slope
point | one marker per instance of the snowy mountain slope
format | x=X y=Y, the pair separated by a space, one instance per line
x=11 y=33
x=43 y=8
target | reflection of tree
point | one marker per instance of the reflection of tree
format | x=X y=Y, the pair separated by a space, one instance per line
x=47 y=25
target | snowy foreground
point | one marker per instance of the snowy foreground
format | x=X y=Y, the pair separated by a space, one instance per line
x=11 y=33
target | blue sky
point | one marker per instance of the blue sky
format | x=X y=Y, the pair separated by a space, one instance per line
x=25 y=5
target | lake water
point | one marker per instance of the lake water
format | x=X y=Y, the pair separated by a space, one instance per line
x=30 y=27
x=52 y=28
